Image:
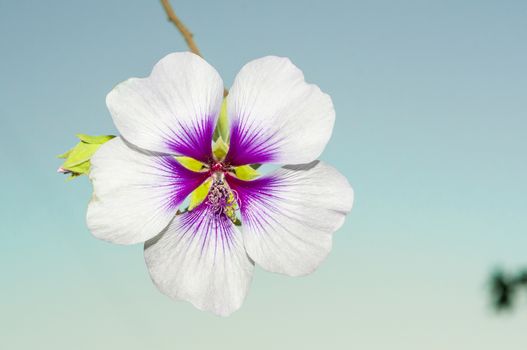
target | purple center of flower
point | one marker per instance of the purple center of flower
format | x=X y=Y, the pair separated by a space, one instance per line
x=221 y=199
x=218 y=167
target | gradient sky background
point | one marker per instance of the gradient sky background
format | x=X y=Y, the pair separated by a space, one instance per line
x=431 y=101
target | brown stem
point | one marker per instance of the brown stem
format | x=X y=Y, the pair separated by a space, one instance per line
x=187 y=35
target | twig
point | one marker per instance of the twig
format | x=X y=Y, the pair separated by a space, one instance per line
x=187 y=35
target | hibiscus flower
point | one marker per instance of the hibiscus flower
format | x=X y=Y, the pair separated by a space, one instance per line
x=282 y=221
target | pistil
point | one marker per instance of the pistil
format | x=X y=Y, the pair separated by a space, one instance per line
x=221 y=199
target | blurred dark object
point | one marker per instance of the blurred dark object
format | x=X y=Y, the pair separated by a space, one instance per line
x=504 y=287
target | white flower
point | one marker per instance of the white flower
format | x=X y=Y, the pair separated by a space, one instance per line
x=203 y=255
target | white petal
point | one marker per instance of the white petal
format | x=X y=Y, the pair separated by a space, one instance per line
x=276 y=116
x=201 y=259
x=174 y=110
x=136 y=194
x=289 y=216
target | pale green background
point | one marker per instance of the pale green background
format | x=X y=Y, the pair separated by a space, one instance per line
x=431 y=100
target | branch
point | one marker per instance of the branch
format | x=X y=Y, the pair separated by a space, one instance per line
x=187 y=35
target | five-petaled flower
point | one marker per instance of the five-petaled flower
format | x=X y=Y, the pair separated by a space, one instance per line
x=282 y=221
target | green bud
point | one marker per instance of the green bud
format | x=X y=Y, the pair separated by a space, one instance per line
x=77 y=159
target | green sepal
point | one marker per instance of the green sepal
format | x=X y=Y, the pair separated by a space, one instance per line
x=190 y=163
x=65 y=154
x=220 y=149
x=246 y=172
x=81 y=153
x=222 y=128
x=96 y=140
x=77 y=160
x=80 y=169
x=223 y=121
x=199 y=194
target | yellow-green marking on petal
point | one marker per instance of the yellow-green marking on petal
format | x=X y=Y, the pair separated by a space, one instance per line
x=246 y=172
x=199 y=194
x=190 y=163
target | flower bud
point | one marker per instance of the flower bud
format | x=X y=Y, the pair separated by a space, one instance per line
x=77 y=159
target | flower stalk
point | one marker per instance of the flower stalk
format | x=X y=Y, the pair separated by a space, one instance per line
x=187 y=34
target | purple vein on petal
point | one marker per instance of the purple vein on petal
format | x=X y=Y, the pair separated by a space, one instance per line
x=257 y=198
x=193 y=139
x=209 y=228
x=251 y=144
x=180 y=180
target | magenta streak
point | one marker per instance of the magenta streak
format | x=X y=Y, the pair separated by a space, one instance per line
x=257 y=198
x=213 y=227
x=179 y=179
x=249 y=144
x=194 y=140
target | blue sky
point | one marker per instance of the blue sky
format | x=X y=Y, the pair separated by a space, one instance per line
x=431 y=101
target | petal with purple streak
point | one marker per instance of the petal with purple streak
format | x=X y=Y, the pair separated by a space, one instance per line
x=200 y=258
x=194 y=140
x=174 y=110
x=136 y=193
x=288 y=217
x=276 y=117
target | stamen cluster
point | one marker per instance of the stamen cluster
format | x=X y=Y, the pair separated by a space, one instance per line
x=221 y=198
